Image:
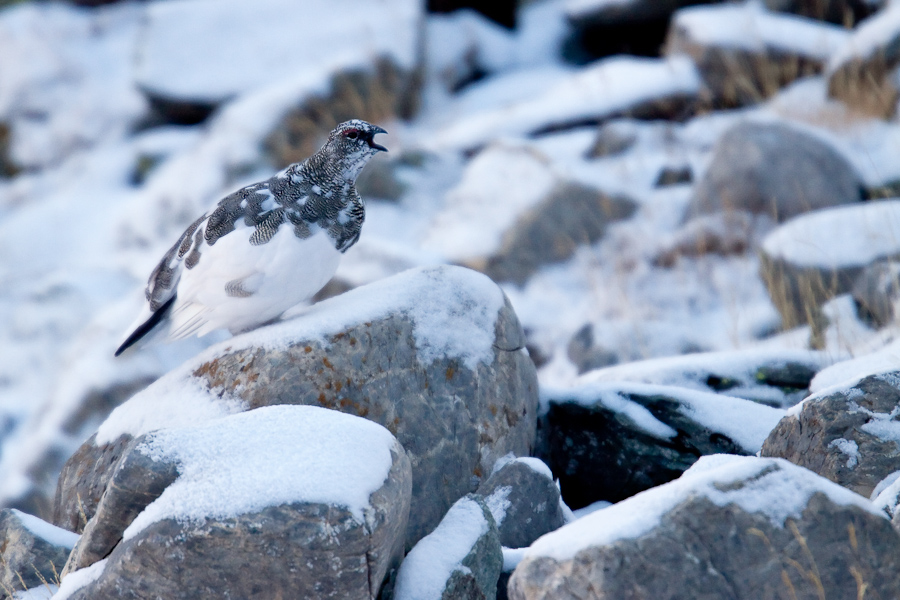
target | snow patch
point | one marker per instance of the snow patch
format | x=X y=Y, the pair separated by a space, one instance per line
x=432 y=561
x=56 y=536
x=78 y=579
x=265 y=457
x=848 y=448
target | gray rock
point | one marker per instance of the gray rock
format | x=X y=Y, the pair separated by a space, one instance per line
x=866 y=81
x=301 y=548
x=669 y=176
x=709 y=537
x=443 y=566
x=585 y=355
x=877 y=291
x=737 y=73
x=33 y=552
x=845 y=435
x=609 y=441
x=613 y=138
x=136 y=481
x=453 y=418
x=524 y=500
x=724 y=233
x=571 y=215
x=7 y=166
x=775 y=170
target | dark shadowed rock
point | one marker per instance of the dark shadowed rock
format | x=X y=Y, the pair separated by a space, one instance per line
x=524 y=500
x=712 y=535
x=876 y=292
x=33 y=552
x=848 y=436
x=611 y=441
x=461 y=558
x=817 y=256
x=775 y=170
x=746 y=69
x=188 y=545
x=435 y=355
x=839 y=12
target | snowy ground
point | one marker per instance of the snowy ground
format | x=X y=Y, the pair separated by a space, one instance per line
x=78 y=237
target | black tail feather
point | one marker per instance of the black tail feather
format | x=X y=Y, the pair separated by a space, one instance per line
x=146 y=326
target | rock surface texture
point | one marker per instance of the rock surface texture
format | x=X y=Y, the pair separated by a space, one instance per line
x=435 y=355
x=712 y=539
x=848 y=435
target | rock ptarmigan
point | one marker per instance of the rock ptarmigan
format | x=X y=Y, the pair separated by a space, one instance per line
x=264 y=248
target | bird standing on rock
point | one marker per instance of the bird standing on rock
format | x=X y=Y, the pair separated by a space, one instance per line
x=264 y=248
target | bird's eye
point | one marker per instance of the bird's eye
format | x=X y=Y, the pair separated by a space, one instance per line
x=353 y=134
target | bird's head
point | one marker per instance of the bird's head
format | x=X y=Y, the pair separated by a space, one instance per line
x=352 y=144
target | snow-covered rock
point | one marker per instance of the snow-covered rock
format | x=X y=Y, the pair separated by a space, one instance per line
x=775 y=170
x=862 y=73
x=435 y=355
x=746 y=54
x=730 y=527
x=775 y=377
x=461 y=558
x=512 y=213
x=614 y=87
x=817 y=256
x=524 y=500
x=609 y=441
x=322 y=495
x=34 y=551
x=849 y=433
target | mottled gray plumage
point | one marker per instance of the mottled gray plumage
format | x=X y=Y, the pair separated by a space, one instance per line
x=316 y=196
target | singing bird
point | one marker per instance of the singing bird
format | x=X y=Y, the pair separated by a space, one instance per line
x=264 y=248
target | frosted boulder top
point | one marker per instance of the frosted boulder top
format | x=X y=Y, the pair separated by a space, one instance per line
x=771 y=486
x=846 y=236
x=210 y=50
x=270 y=456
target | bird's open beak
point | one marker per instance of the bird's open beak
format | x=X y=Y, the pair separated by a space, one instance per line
x=371 y=140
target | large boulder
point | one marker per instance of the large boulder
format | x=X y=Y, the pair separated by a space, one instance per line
x=436 y=355
x=609 y=441
x=323 y=496
x=774 y=377
x=862 y=73
x=242 y=47
x=847 y=433
x=542 y=219
x=33 y=552
x=818 y=256
x=461 y=558
x=743 y=53
x=775 y=170
x=731 y=527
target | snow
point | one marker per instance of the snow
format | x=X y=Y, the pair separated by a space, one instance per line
x=886 y=495
x=600 y=90
x=847 y=373
x=849 y=448
x=512 y=557
x=845 y=236
x=876 y=32
x=57 y=536
x=78 y=579
x=535 y=464
x=432 y=561
x=744 y=422
x=211 y=50
x=693 y=370
x=246 y=462
x=750 y=27
x=498 y=502
x=45 y=592
x=772 y=487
